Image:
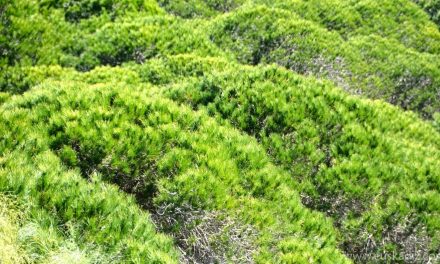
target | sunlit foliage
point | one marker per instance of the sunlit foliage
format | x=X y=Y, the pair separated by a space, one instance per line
x=191 y=131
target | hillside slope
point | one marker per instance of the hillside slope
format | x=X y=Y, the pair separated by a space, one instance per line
x=219 y=132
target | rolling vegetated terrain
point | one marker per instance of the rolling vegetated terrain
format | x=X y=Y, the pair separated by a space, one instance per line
x=220 y=131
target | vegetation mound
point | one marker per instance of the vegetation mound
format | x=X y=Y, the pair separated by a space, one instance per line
x=219 y=131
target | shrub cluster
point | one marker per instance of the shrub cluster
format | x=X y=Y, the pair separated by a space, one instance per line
x=363 y=64
x=163 y=154
x=219 y=131
x=350 y=156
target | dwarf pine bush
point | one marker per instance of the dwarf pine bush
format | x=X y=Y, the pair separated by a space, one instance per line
x=310 y=139
x=362 y=65
x=176 y=150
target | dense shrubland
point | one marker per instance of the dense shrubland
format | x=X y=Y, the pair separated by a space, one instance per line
x=182 y=159
x=369 y=65
x=219 y=131
x=322 y=144
x=398 y=62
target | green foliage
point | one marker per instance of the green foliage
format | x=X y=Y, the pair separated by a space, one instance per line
x=138 y=40
x=372 y=66
x=400 y=20
x=411 y=78
x=432 y=7
x=269 y=35
x=167 y=155
x=28 y=239
x=182 y=131
x=99 y=213
x=322 y=138
x=75 y=10
x=330 y=39
x=196 y=8
x=4 y=97
x=16 y=79
x=436 y=121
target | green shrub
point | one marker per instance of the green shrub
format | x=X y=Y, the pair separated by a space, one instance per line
x=100 y=214
x=400 y=20
x=139 y=40
x=16 y=79
x=169 y=157
x=322 y=138
x=372 y=66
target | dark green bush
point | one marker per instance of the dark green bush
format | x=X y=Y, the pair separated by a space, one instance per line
x=139 y=40
x=372 y=66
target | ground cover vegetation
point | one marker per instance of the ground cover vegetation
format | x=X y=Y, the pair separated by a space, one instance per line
x=235 y=131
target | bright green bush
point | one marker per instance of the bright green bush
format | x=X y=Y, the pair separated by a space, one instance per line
x=268 y=35
x=167 y=156
x=436 y=121
x=4 y=97
x=36 y=34
x=350 y=156
x=16 y=79
x=320 y=43
x=387 y=70
x=100 y=215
